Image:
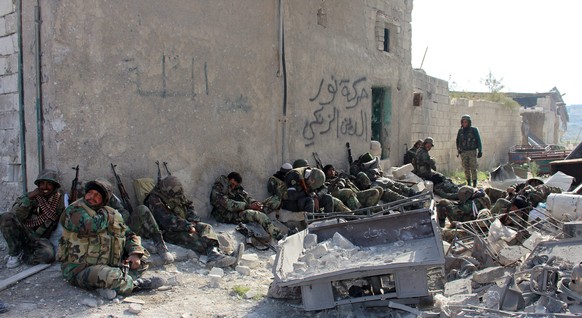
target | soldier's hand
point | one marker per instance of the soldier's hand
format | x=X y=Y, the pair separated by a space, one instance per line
x=480 y=154
x=192 y=230
x=134 y=261
x=34 y=193
x=256 y=206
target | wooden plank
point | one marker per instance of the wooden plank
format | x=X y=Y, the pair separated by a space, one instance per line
x=5 y=283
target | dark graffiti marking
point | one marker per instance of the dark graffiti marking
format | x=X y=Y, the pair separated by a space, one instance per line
x=352 y=93
x=164 y=91
x=241 y=103
x=335 y=115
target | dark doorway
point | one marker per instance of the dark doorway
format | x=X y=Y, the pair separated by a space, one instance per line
x=382 y=117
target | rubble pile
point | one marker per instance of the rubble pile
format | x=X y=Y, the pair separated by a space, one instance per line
x=530 y=268
x=339 y=253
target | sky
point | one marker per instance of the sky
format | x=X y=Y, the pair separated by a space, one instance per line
x=531 y=46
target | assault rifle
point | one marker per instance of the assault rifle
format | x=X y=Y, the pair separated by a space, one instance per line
x=124 y=196
x=350 y=159
x=167 y=170
x=73 y=193
x=159 y=172
x=317 y=161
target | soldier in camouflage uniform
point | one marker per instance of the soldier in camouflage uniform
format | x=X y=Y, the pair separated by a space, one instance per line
x=141 y=222
x=424 y=165
x=34 y=216
x=471 y=201
x=181 y=225
x=303 y=185
x=97 y=249
x=469 y=147
x=411 y=153
x=232 y=204
x=277 y=189
x=343 y=188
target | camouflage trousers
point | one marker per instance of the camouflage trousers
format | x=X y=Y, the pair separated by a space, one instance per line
x=142 y=222
x=501 y=206
x=446 y=189
x=102 y=276
x=448 y=210
x=248 y=216
x=204 y=239
x=272 y=203
x=495 y=194
x=358 y=199
x=19 y=239
x=469 y=162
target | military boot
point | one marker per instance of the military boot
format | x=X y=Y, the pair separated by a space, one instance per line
x=162 y=249
x=218 y=259
x=474 y=183
x=153 y=282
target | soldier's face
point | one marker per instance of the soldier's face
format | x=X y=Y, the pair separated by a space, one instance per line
x=427 y=146
x=46 y=188
x=233 y=183
x=94 y=198
x=465 y=123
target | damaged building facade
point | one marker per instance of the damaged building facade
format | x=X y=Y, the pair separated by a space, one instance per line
x=209 y=87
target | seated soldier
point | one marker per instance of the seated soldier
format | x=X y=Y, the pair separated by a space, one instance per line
x=32 y=219
x=232 y=204
x=471 y=202
x=176 y=217
x=302 y=187
x=141 y=222
x=277 y=189
x=343 y=188
x=411 y=153
x=98 y=250
x=425 y=165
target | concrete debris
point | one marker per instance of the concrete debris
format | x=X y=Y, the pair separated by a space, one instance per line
x=243 y=270
x=250 y=260
x=490 y=275
x=135 y=308
x=459 y=286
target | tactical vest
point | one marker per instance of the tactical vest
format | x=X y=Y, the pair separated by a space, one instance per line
x=468 y=138
x=104 y=248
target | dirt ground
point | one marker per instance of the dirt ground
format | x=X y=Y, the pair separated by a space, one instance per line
x=46 y=294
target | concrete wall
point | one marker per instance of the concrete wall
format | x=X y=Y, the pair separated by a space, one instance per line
x=437 y=117
x=201 y=85
x=9 y=116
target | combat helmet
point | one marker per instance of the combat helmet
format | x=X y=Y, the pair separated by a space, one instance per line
x=300 y=163
x=429 y=140
x=535 y=181
x=317 y=178
x=102 y=186
x=48 y=175
x=171 y=186
x=467 y=117
x=465 y=193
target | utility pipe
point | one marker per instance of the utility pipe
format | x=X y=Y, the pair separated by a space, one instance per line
x=39 y=130
x=22 y=139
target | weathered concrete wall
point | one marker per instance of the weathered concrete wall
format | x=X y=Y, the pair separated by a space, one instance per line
x=9 y=117
x=499 y=125
x=200 y=85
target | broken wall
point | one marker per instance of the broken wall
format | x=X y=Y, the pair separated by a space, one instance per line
x=439 y=117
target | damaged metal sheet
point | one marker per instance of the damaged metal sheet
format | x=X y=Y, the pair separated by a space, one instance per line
x=399 y=249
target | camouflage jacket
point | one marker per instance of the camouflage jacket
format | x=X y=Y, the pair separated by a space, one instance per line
x=277 y=186
x=225 y=200
x=171 y=214
x=539 y=194
x=94 y=237
x=26 y=209
x=423 y=163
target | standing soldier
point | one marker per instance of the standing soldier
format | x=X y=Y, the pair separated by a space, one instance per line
x=31 y=221
x=469 y=148
x=98 y=250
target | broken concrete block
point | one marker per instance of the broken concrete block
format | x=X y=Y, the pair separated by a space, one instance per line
x=400 y=172
x=135 y=308
x=573 y=229
x=489 y=275
x=251 y=260
x=511 y=254
x=457 y=302
x=341 y=242
x=318 y=251
x=250 y=294
x=299 y=267
x=419 y=187
x=459 y=286
x=492 y=296
x=243 y=270
x=216 y=271
x=309 y=241
x=215 y=280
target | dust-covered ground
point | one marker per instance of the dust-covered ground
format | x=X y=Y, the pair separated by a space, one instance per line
x=188 y=294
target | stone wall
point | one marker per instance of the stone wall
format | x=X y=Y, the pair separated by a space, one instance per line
x=9 y=116
x=437 y=117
